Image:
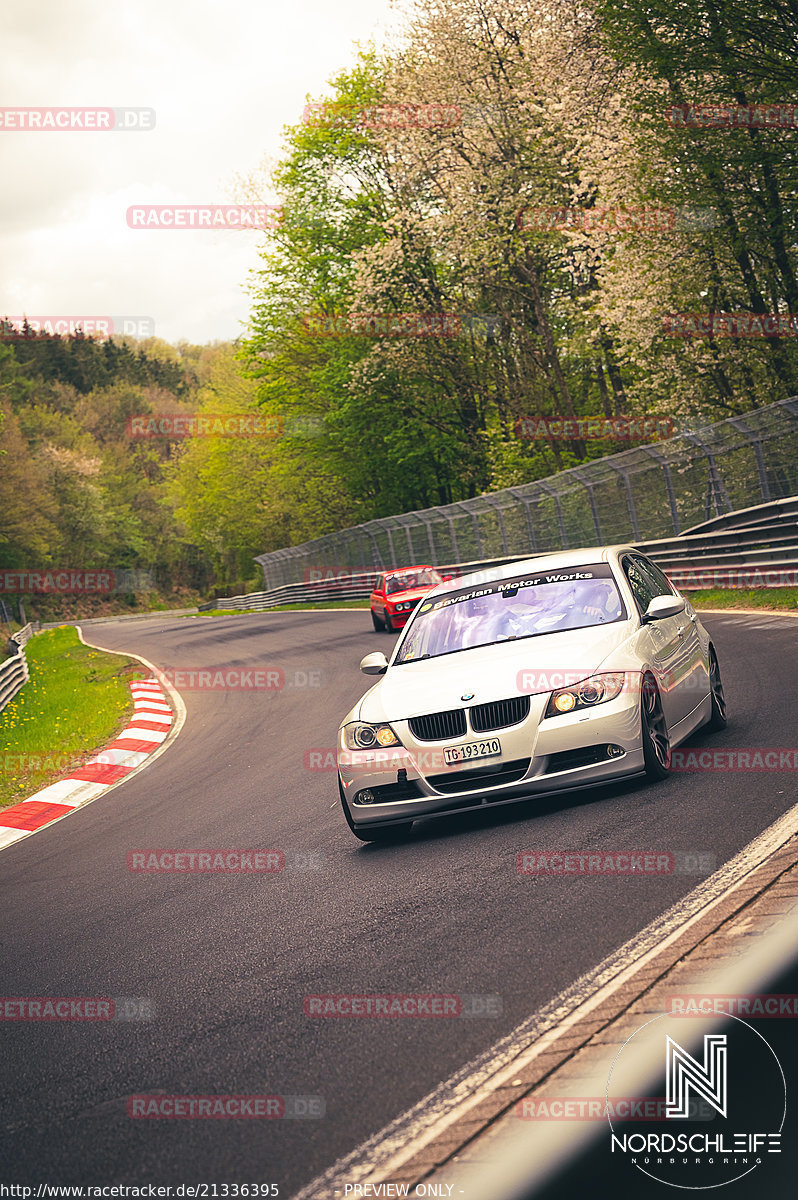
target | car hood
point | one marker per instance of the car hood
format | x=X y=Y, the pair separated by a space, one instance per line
x=531 y=665
x=410 y=593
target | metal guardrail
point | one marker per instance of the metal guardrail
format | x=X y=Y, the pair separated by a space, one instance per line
x=25 y=634
x=778 y=510
x=14 y=672
x=355 y=586
x=760 y=551
x=651 y=491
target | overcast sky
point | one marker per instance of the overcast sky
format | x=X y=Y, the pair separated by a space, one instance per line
x=223 y=81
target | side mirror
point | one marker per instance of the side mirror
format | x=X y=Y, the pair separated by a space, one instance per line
x=447 y=578
x=662 y=607
x=374 y=664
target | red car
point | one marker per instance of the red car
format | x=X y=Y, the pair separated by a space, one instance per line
x=396 y=594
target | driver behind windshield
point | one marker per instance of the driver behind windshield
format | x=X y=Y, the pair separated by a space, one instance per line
x=598 y=601
x=535 y=611
x=400 y=583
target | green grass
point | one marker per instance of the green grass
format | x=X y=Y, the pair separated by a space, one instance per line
x=76 y=701
x=310 y=605
x=777 y=599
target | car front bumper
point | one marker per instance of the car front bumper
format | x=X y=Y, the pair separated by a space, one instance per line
x=538 y=757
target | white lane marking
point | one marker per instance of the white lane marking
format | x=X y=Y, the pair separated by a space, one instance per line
x=155 y=736
x=9 y=835
x=408 y=1133
x=743 y=615
x=54 y=793
x=118 y=756
x=759 y=625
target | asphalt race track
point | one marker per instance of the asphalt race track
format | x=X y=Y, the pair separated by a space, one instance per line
x=226 y=960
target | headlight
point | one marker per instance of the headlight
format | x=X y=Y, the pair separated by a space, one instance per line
x=587 y=694
x=359 y=736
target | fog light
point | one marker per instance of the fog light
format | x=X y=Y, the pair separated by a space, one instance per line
x=365 y=797
x=614 y=751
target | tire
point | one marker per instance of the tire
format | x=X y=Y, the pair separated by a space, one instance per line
x=377 y=833
x=379 y=626
x=718 y=720
x=388 y=626
x=656 y=743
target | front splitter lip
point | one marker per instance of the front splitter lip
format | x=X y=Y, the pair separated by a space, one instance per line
x=530 y=788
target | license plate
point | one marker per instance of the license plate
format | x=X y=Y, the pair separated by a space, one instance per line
x=458 y=754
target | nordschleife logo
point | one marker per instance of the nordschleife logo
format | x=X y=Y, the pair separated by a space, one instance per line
x=725 y=1100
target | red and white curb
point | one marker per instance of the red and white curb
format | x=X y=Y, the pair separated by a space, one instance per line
x=149 y=728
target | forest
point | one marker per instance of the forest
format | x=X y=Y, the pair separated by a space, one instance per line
x=517 y=211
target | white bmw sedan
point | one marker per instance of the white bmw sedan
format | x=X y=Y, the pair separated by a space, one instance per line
x=560 y=672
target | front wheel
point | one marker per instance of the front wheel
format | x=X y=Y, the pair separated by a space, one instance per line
x=718 y=718
x=656 y=743
x=389 y=624
x=379 y=626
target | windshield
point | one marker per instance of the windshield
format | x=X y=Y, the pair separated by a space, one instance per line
x=521 y=607
x=424 y=577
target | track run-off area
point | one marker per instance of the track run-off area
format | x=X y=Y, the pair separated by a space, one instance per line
x=219 y=968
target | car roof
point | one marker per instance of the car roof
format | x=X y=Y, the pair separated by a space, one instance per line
x=404 y=570
x=540 y=562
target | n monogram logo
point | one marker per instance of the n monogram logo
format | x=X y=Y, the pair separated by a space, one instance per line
x=683 y=1074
